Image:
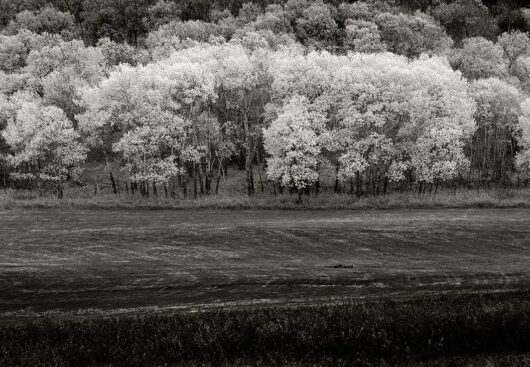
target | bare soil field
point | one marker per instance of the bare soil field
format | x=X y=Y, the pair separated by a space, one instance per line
x=84 y=263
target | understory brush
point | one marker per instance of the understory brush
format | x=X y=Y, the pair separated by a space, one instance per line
x=78 y=198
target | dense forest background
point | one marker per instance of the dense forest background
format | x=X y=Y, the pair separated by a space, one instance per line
x=395 y=94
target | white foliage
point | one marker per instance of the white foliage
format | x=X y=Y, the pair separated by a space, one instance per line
x=522 y=160
x=292 y=141
x=384 y=112
x=44 y=143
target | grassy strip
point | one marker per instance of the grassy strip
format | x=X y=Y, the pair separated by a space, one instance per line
x=383 y=332
x=79 y=199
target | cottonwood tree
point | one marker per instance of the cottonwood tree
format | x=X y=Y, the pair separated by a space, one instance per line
x=494 y=143
x=363 y=36
x=388 y=118
x=151 y=112
x=46 y=20
x=242 y=85
x=44 y=147
x=480 y=58
x=521 y=70
x=293 y=143
x=7 y=112
x=248 y=13
x=14 y=49
x=120 y=53
x=58 y=73
x=522 y=159
x=275 y=19
x=515 y=45
x=311 y=76
x=105 y=108
x=412 y=35
x=396 y=116
x=178 y=35
x=359 y=10
x=262 y=39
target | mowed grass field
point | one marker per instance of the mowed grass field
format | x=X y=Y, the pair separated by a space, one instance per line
x=84 y=263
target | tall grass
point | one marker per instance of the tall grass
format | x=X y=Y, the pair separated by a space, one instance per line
x=382 y=332
x=78 y=198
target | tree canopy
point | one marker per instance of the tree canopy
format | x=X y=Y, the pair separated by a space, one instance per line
x=174 y=92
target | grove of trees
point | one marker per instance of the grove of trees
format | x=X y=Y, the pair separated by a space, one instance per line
x=392 y=95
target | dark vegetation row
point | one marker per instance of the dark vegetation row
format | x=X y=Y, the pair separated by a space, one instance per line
x=385 y=332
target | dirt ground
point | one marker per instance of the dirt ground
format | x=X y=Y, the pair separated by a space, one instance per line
x=115 y=262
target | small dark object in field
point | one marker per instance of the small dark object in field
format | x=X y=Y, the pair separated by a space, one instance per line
x=341 y=266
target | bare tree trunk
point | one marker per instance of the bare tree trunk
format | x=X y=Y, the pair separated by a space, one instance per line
x=217 y=184
x=194 y=182
x=260 y=177
x=259 y=170
x=359 y=185
x=248 y=157
x=336 y=189
x=113 y=183
x=201 y=179
x=208 y=180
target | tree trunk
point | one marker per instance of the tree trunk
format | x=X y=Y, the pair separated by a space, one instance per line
x=113 y=183
x=217 y=184
x=194 y=182
x=248 y=157
x=208 y=181
x=359 y=185
x=259 y=170
x=336 y=189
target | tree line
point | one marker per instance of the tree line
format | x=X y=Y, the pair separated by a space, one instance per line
x=384 y=94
